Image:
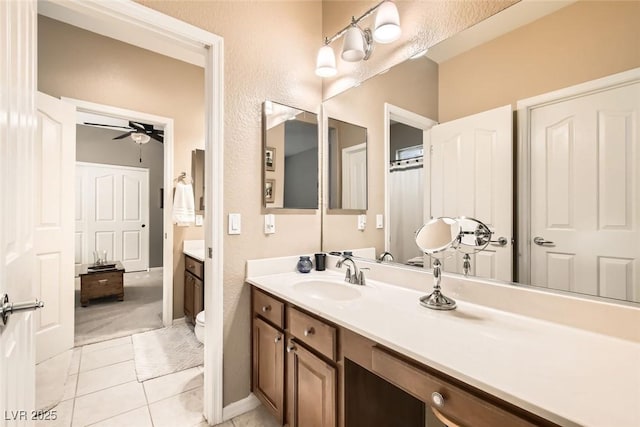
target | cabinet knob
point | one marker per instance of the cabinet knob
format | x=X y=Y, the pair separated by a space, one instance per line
x=278 y=338
x=437 y=399
x=266 y=308
x=309 y=331
x=291 y=347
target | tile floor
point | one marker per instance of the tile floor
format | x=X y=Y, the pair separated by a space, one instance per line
x=102 y=390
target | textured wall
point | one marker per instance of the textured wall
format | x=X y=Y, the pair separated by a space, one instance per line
x=424 y=23
x=269 y=50
x=95 y=145
x=584 y=41
x=79 y=64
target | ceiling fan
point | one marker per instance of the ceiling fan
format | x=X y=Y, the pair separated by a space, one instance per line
x=139 y=132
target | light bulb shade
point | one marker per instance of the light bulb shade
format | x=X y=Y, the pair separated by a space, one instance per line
x=140 y=138
x=326 y=62
x=387 y=25
x=353 y=46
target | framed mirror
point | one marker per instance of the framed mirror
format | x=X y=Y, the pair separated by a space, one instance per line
x=455 y=81
x=197 y=174
x=347 y=169
x=290 y=158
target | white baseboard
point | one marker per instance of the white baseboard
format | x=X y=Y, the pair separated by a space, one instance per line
x=240 y=407
x=155 y=269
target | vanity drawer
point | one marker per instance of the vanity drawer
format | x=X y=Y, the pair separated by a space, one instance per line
x=313 y=332
x=194 y=266
x=458 y=407
x=268 y=307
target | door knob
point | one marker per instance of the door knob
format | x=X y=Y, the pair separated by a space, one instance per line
x=7 y=308
x=540 y=241
x=144 y=225
x=502 y=241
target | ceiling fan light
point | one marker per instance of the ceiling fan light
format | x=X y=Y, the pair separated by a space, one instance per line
x=140 y=138
x=387 y=23
x=353 y=46
x=326 y=62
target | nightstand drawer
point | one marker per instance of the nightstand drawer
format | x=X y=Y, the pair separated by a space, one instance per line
x=312 y=331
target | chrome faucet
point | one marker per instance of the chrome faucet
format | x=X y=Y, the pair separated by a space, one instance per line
x=385 y=256
x=357 y=278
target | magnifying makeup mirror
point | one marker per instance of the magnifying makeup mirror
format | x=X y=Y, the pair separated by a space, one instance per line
x=436 y=238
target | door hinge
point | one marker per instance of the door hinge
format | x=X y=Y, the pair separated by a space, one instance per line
x=210 y=253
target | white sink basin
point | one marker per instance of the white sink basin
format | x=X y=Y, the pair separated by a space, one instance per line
x=327 y=290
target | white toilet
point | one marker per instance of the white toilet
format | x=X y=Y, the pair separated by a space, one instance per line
x=199 y=328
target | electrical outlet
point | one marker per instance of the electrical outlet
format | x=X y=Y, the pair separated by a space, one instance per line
x=269 y=224
x=362 y=222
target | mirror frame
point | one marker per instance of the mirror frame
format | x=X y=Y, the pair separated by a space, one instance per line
x=291 y=211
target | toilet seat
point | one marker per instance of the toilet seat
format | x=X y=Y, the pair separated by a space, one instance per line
x=200 y=318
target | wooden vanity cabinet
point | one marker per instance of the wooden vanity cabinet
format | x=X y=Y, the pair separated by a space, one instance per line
x=193 y=288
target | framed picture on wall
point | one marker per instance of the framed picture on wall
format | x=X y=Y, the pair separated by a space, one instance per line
x=270 y=158
x=270 y=190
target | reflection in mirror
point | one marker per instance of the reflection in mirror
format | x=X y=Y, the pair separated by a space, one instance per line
x=347 y=166
x=437 y=238
x=197 y=174
x=290 y=153
x=531 y=58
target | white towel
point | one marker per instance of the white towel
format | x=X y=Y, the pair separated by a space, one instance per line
x=184 y=213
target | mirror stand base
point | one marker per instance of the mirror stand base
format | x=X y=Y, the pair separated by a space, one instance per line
x=437 y=301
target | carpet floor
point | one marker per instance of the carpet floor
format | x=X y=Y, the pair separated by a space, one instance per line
x=108 y=318
x=167 y=350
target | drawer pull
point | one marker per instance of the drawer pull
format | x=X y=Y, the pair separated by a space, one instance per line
x=291 y=347
x=309 y=331
x=437 y=399
x=266 y=308
x=103 y=281
x=278 y=338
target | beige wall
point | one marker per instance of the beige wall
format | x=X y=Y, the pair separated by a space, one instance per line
x=413 y=86
x=269 y=54
x=581 y=42
x=424 y=24
x=79 y=64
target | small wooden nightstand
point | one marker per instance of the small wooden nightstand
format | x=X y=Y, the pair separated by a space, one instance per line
x=101 y=281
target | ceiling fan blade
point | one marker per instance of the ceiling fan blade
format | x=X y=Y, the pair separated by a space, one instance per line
x=106 y=126
x=124 y=135
x=140 y=127
x=157 y=137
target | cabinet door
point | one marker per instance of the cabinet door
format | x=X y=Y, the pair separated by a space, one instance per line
x=268 y=367
x=198 y=297
x=311 y=389
x=188 y=296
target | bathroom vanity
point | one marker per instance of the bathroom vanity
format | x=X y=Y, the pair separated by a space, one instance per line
x=334 y=354
x=193 y=288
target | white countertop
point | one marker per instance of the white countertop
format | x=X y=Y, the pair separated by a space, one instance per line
x=194 y=248
x=567 y=375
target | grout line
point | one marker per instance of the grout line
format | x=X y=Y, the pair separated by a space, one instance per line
x=146 y=398
x=116 y=415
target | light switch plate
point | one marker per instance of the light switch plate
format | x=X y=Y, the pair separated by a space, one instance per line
x=379 y=221
x=269 y=224
x=235 y=225
x=362 y=222
x=199 y=220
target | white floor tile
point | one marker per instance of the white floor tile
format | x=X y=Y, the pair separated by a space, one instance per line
x=105 y=357
x=74 y=366
x=62 y=414
x=137 y=418
x=259 y=417
x=105 y=377
x=51 y=375
x=105 y=404
x=183 y=410
x=70 y=387
x=106 y=344
x=173 y=384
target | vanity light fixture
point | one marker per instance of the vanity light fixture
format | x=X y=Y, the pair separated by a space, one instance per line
x=358 y=43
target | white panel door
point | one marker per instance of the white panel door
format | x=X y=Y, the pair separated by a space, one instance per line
x=17 y=138
x=584 y=193
x=54 y=271
x=354 y=177
x=113 y=214
x=471 y=175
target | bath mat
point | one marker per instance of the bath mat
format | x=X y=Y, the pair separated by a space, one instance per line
x=167 y=350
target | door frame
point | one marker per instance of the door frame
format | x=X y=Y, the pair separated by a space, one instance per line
x=167 y=224
x=409 y=118
x=524 y=109
x=150 y=29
